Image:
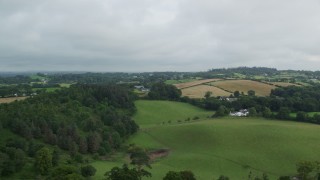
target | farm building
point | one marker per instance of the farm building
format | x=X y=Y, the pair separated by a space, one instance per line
x=242 y=112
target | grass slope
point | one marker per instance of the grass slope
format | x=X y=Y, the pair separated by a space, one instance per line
x=228 y=146
x=157 y=112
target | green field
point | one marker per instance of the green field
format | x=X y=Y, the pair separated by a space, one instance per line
x=212 y=147
x=156 y=112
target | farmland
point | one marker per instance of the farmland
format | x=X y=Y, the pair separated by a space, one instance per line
x=229 y=146
x=220 y=87
x=244 y=86
x=200 y=90
x=194 y=83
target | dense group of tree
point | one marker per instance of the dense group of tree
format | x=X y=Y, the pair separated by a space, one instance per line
x=162 y=91
x=82 y=119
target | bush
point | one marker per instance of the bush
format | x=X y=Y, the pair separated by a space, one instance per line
x=88 y=171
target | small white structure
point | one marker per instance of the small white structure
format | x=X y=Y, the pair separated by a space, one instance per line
x=242 y=112
x=229 y=99
x=142 y=88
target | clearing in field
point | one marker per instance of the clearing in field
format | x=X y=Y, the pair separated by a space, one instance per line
x=194 y=83
x=244 y=86
x=11 y=99
x=200 y=91
x=225 y=146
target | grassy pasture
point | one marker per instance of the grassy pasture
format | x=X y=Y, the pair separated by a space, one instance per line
x=261 y=89
x=212 y=147
x=157 y=112
x=11 y=99
x=200 y=90
x=194 y=83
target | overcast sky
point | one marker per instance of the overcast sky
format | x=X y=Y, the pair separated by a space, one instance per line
x=158 y=35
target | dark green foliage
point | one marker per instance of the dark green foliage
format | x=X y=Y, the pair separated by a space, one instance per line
x=182 y=175
x=302 y=116
x=162 y=91
x=251 y=93
x=139 y=157
x=304 y=168
x=252 y=111
x=266 y=112
x=87 y=171
x=284 y=178
x=55 y=157
x=33 y=147
x=65 y=172
x=172 y=175
x=222 y=111
x=222 y=177
x=12 y=160
x=78 y=119
x=187 y=175
x=4 y=159
x=78 y=158
x=43 y=161
x=126 y=173
x=284 y=113
x=245 y=71
x=236 y=94
x=208 y=94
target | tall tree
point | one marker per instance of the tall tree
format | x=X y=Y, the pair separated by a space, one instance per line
x=43 y=161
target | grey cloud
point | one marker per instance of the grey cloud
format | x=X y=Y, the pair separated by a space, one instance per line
x=148 y=35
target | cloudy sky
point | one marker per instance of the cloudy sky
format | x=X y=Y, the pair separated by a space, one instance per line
x=158 y=35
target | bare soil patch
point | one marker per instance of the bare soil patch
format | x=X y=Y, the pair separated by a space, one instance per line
x=11 y=99
x=159 y=153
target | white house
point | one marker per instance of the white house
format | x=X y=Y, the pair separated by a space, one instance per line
x=242 y=112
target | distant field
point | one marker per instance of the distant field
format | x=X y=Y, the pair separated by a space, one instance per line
x=194 y=83
x=261 y=89
x=34 y=76
x=52 y=89
x=66 y=85
x=200 y=90
x=11 y=99
x=225 y=146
